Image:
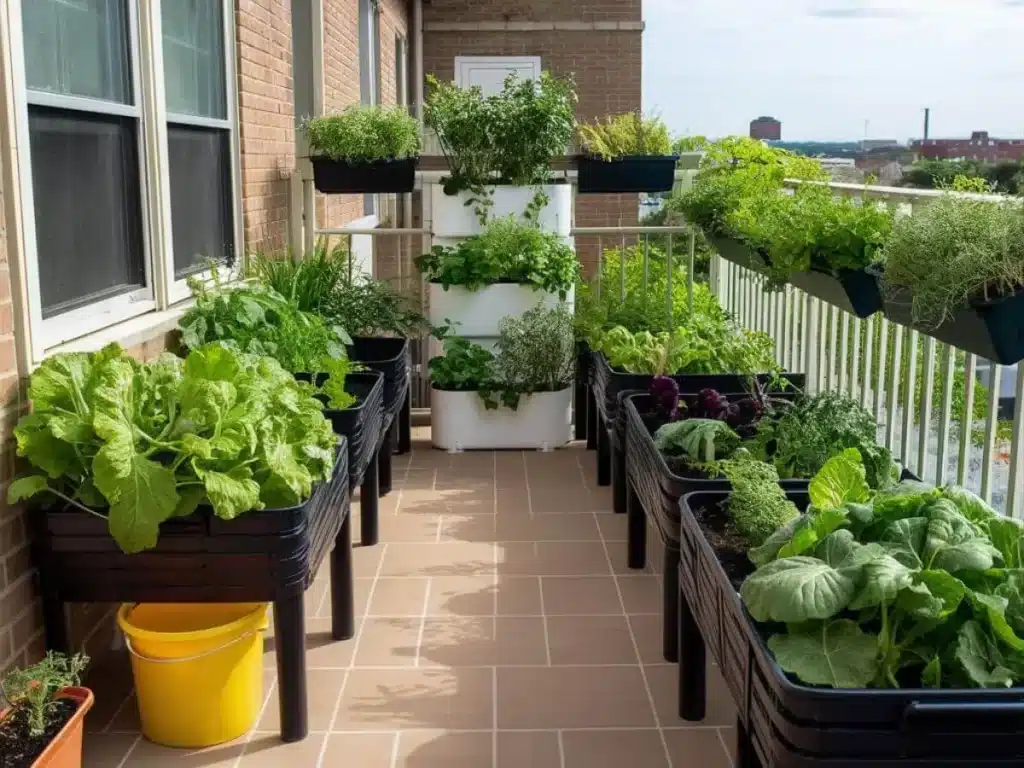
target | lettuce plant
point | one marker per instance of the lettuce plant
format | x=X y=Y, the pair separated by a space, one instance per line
x=139 y=443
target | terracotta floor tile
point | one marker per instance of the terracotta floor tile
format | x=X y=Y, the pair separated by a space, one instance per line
x=614 y=749
x=366 y=560
x=393 y=597
x=484 y=641
x=641 y=593
x=461 y=596
x=268 y=751
x=388 y=642
x=454 y=559
x=565 y=595
x=323 y=688
x=441 y=749
x=572 y=697
x=417 y=698
x=547 y=528
x=106 y=750
x=664 y=682
x=612 y=526
x=700 y=747
x=408 y=527
x=149 y=755
x=322 y=650
x=528 y=749
x=468 y=527
x=519 y=596
x=648 y=632
x=552 y=559
x=590 y=640
x=359 y=750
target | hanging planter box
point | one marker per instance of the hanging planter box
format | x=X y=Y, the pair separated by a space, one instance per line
x=788 y=723
x=480 y=312
x=459 y=421
x=628 y=174
x=454 y=217
x=738 y=253
x=65 y=748
x=991 y=329
x=334 y=177
x=854 y=290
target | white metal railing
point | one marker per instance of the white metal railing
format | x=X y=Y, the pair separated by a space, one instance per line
x=925 y=393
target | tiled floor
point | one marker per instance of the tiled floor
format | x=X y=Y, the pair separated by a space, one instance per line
x=498 y=626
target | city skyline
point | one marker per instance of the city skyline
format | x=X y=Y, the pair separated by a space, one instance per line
x=826 y=67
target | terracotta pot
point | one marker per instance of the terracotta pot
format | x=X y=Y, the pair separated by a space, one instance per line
x=65 y=751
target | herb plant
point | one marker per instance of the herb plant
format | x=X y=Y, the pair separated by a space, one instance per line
x=35 y=687
x=364 y=134
x=508 y=251
x=138 y=443
x=507 y=138
x=757 y=505
x=624 y=135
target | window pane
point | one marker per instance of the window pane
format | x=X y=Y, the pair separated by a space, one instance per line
x=85 y=181
x=77 y=48
x=202 y=219
x=193 y=35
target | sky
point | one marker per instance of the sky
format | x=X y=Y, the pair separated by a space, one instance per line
x=824 y=67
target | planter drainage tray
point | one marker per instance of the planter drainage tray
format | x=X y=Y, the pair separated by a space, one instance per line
x=256 y=557
x=343 y=177
x=629 y=174
x=390 y=357
x=789 y=723
x=855 y=290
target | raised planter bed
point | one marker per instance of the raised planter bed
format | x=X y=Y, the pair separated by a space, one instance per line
x=738 y=253
x=454 y=217
x=459 y=421
x=854 y=290
x=581 y=393
x=784 y=723
x=266 y=556
x=379 y=176
x=653 y=491
x=629 y=174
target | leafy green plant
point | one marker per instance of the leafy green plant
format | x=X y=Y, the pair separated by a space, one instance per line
x=757 y=505
x=626 y=134
x=508 y=138
x=536 y=352
x=310 y=282
x=35 y=688
x=803 y=437
x=912 y=586
x=508 y=251
x=138 y=443
x=365 y=133
x=464 y=367
x=954 y=251
x=702 y=440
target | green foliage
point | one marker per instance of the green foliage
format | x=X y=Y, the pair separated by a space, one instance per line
x=464 y=367
x=508 y=251
x=689 y=144
x=35 y=687
x=953 y=251
x=757 y=504
x=702 y=440
x=1005 y=177
x=509 y=137
x=915 y=586
x=365 y=133
x=152 y=441
x=806 y=435
x=626 y=134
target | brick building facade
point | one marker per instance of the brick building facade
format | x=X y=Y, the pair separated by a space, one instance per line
x=233 y=138
x=980 y=146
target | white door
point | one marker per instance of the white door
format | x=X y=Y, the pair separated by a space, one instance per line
x=489 y=72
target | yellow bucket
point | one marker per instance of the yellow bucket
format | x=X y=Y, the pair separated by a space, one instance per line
x=197 y=668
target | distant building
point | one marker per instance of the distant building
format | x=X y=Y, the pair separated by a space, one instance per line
x=874 y=160
x=979 y=147
x=866 y=145
x=766 y=129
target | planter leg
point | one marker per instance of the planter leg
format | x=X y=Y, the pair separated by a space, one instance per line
x=290 y=639
x=692 y=691
x=405 y=423
x=369 y=525
x=670 y=600
x=592 y=419
x=579 y=408
x=619 y=479
x=343 y=618
x=55 y=623
x=604 y=458
x=636 y=536
x=384 y=464
x=746 y=757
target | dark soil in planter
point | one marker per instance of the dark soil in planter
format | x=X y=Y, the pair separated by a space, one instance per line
x=18 y=748
x=729 y=546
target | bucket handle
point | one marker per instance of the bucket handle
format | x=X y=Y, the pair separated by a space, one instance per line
x=197 y=657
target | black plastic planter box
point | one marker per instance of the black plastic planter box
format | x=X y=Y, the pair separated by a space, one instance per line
x=629 y=174
x=790 y=724
x=390 y=357
x=993 y=330
x=342 y=177
x=738 y=253
x=855 y=290
x=581 y=392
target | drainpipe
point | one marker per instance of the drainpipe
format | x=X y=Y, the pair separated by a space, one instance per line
x=417 y=37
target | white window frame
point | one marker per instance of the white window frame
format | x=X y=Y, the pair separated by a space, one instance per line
x=146 y=83
x=371 y=75
x=465 y=64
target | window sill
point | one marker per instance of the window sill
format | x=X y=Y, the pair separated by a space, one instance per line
x=128 y=334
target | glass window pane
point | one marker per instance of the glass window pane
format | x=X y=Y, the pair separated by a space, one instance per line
x=193 y=35
x=85 y=182
x=77 y=48
x=202 y=216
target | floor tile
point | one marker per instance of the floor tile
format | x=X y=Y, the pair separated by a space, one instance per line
x=440 y=749
x=664 y=682
x=547 y=528
x=323 y=689
x=648 y=631
x=700 y=747
x=519 y=596
x=106 y=750
x=590 y=640
x=614 y=749
x=460 y=526
x=366 y=560
x=393 y=597
x=564 y=595
x=528 y=749
x=641 y=593
x=552 y=559
x=266 y=750
x=461 y=596
x=322 y=650
x=359 y=750
x=409 y=527
x=149 y=755
x=388 y=642
x=482 y=641
x=453 y=559
x=612 y=526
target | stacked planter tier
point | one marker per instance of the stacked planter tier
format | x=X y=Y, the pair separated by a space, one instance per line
x=653 y=491
x=267 y=556
x=785 y=724
x=608 y=384
x=459 y=419
x=391 y=358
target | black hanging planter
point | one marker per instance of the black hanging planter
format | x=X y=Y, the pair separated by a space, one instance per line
x=738 y=253
x=383 y=176
x=628 y=174
x=854 y=290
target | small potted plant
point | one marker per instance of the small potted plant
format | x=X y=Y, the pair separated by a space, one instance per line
x=626 y=153
x=364 y=149
x=42 y=725
x=519 y=397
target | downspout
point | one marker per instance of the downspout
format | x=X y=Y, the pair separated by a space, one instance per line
x=417 y=37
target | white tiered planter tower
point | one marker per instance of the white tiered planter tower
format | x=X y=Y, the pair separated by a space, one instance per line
x=459 y=420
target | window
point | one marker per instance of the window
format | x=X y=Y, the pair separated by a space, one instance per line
x=116 y=212
x=369 y=69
